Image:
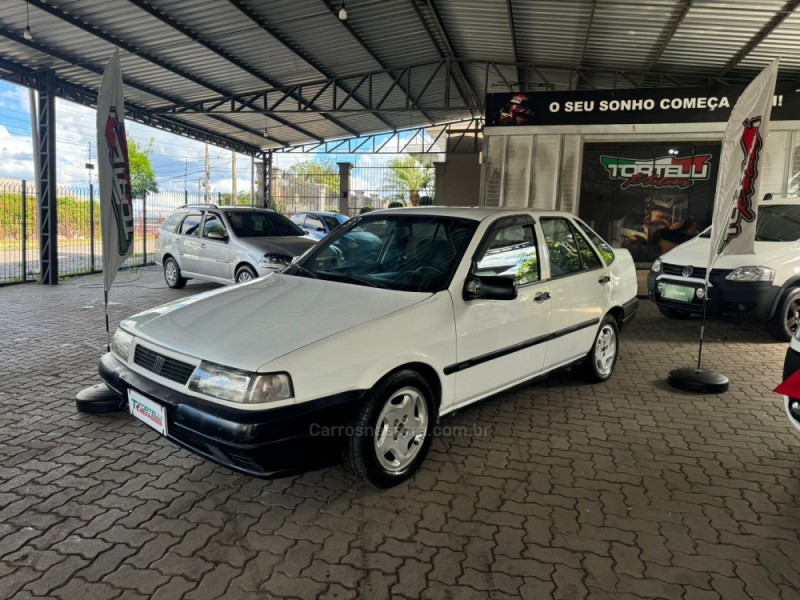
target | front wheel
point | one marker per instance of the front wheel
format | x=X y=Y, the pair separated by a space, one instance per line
x=786 y=319
x=244 y=274
x=172 y=274
x=599 y=363
x=392 y=431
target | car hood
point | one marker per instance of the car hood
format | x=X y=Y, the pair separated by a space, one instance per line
x=695 y=253
x=291 y=245
x=247 y=326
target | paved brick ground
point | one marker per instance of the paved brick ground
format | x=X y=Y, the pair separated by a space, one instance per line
x=623 y=490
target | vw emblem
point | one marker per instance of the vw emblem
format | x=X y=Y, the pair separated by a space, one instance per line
x=158 y=364
x=687 y=271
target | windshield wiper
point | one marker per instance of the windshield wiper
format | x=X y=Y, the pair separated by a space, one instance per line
x=358 y=279
x=302 y=269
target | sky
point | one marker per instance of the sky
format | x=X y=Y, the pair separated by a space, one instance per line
x=176 y=160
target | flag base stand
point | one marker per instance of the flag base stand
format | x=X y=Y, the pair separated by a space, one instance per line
x=98 y=399
x=694 y=379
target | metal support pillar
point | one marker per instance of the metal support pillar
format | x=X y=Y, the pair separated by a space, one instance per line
x=261 y=184
x=46 y=178
x=344 y=187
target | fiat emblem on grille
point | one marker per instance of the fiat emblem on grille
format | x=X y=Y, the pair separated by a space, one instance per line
x=157 y=364
x=687 y=271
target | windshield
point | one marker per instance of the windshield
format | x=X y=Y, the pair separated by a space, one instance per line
x=778 y=223
x=774 y=223
x=246 y=224
x=416 y=253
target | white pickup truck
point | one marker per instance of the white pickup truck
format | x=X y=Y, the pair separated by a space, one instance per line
x=764 y=285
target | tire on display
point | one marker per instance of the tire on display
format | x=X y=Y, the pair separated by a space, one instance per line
x=599 y=363
x=392 y=430
x=245 y=273
x=786 y=319
x=674 y=313
x=172 y=274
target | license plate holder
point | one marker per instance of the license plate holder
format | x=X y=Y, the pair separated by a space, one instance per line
x=678 y=293
x=148 y=411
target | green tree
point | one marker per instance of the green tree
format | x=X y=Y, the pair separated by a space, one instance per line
x=410 y=173
x=143 y=177
x=318 y=171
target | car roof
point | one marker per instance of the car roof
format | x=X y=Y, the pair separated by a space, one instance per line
x=473 y=213
x=225 y=208
x=321 y=213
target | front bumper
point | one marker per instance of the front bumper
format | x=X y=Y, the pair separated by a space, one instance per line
x=792 y=405
x=753 y=299
x=268 y=444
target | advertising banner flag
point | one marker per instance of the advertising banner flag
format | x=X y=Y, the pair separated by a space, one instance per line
x=736 y=202
x=116 y=205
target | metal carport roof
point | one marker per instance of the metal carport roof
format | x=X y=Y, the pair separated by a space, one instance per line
x=231 y=71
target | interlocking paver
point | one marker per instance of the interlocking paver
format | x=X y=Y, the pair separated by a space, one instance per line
x=623 y=490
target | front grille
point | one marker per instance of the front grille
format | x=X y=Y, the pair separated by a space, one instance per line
x=697 y=272
x=166 y=367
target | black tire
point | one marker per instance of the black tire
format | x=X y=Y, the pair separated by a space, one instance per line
x=602 y=358
x=172 y=274
x=373 y=427
x=674 y=313
x=784 y=322
x=245 y=273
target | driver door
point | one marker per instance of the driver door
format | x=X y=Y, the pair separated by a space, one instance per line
x=502 y=342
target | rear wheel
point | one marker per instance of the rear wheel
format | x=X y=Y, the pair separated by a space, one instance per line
x=172 y=274
x=392 y=431
x=244 y=274
x=599 y=363
x=674 y=313
x=786 y=319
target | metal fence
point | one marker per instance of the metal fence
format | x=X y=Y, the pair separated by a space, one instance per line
x=293 y=193
x=378 y=186
x=79 y=242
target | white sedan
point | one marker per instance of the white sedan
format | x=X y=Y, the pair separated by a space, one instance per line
x=395 y=319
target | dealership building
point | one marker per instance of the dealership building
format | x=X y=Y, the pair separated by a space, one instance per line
x=638 y=165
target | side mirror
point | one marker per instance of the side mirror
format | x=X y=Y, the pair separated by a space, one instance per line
x=490 y=287
x=216 y=235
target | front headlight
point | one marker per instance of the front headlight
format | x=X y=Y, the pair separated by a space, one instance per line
x=269 y=260
x=656 y=268
x=240 y=386
x=121 y=344
x=751 y=274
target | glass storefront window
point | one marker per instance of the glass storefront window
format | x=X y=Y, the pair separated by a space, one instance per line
x=648 y=198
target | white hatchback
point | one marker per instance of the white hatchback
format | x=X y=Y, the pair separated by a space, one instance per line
x=393 y=320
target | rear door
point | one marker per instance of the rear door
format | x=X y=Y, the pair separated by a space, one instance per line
x=579 y=283
x=501 y=342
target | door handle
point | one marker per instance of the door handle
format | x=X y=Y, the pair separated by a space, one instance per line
x=604 y=279
x=541 y=296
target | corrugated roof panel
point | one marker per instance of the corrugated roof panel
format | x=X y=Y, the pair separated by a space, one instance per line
x=479 y=32
x=551 y=33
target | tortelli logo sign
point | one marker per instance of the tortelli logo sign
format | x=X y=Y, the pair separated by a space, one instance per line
x=662 y=172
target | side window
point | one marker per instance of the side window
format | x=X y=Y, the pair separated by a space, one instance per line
x=297 y=219
x=510 y=250
x=562 y=247
x=171 y=224
x=605 y=250
x=213 y=224
x=191 y=224
x=314 y=224
x=588 y=257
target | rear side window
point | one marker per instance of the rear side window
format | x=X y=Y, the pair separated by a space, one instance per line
x=605 y=250
x=297 y=219
x=191 y=224
x=562 y=247
x=171 y=224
